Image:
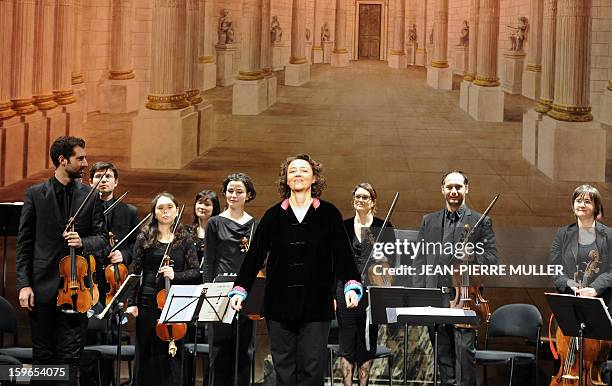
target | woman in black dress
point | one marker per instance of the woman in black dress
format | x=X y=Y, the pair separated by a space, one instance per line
x=227 y=239
x=154 y=365
x=205 y=206
x=362 y=229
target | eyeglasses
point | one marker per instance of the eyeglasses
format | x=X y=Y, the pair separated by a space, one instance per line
x=360 y=197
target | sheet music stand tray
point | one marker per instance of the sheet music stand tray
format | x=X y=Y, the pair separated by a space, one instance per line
x=384 y=299
x=582 y=317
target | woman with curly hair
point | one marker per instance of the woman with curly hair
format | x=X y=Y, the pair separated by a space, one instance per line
x=307 y=248
x=153 y=365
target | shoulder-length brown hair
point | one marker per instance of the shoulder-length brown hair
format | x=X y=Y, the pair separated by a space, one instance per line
x=592 y=193
x=150 y=228
x=316 y=188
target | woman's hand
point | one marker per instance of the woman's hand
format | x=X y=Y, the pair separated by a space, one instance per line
x=236 y=302
x=587 y=291
x=351 y=299
x=167 y=272
x=132 y=310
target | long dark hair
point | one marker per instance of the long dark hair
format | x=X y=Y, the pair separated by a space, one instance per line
x=203 y=196
x=150 y=229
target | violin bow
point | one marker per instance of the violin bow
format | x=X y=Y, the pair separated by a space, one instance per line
x=130 y=233
x=387 y=217
x=72 y=219
x=114 y=204
x=178 y=222
x=481 y=219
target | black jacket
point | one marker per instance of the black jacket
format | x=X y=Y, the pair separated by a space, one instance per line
x=432 y=230
x=304 y=260
x=40 y=244
x=564 y=251
x=122 y=219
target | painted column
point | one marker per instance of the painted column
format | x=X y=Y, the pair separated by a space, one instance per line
x=440 y=75
x=121 y=61
x=397 y=58
x=77 y=71
x=340 y=55
x=63 y=54
x=297 y=72
x=573 y=59
x=43 y=52
x=6 y=32
x=206 y=60
x=317 y=48
x=473 y=43
x=486 y=98
x=167 y=89
x=22 y=62
x=191 y=53
x=533 y=73
x=421 y=54
x=547 y=84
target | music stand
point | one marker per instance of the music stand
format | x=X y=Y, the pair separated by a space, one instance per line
x=383 y=301
x=115 y=306
x=582 y=317
x=10 y=213
x=252 y=306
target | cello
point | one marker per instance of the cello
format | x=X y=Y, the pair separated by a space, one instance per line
x=169 y=332
x=595 y=351
x=75 y=295
x=467 y=289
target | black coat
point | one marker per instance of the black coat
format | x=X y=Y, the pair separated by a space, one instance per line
x=432 y=230
x=40 y=244
x=564 y=251
x=304 y=260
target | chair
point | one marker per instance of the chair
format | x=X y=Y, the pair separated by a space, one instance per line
x=203 y=353
x=334 y=348
x=514 y=321
x=8 y=324
x=109 y=351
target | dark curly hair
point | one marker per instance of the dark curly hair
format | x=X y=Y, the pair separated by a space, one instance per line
x=150 y=227
x=316 y=188
x=246 y=180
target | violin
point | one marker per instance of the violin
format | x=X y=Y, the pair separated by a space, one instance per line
x=115 y=273
x=168 y=332
x=74 y=294
x=468 y=295
x=595 y=352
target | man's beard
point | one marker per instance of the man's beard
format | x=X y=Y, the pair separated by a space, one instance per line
x=74 y=174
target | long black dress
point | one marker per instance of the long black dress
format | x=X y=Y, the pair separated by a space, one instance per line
x=225 y=253
x=352 y=322
x=153 y=364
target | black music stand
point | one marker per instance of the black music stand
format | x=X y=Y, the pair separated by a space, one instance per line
x=115 y=307
x=582 y=317
x=252 y=306
x=10 y=213
x=384 y=302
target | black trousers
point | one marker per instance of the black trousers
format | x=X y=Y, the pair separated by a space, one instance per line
x=222 y=340
x=57 y=339
x=299 y=352
x=456 y=355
